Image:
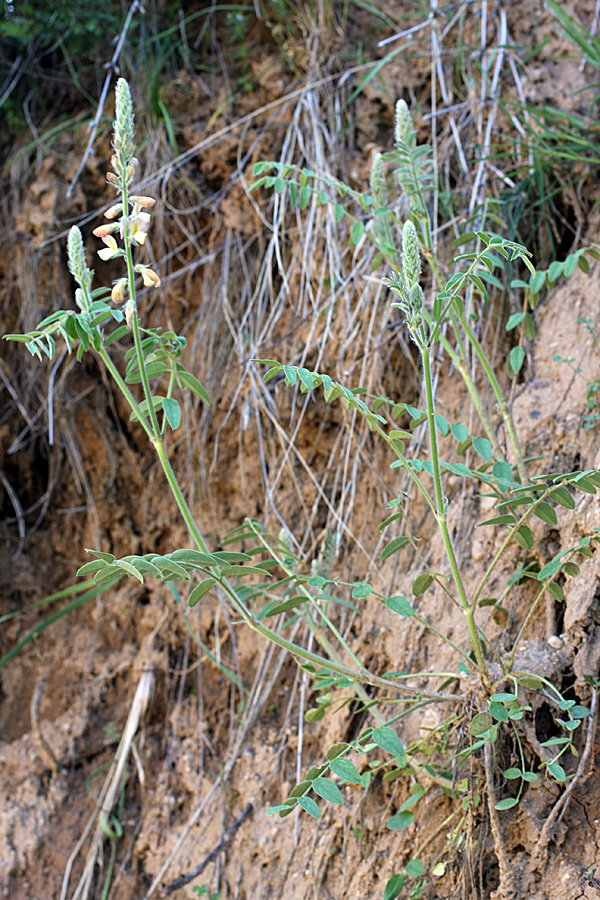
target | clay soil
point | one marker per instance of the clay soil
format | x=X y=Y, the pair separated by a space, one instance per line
x=224 y=735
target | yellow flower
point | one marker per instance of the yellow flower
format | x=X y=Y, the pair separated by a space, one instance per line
x=139 y=236
x=112 y=248
x=150 y=278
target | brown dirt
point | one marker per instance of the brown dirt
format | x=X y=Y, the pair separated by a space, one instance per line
x=204 y=748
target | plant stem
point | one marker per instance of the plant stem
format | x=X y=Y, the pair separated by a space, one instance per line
x=504 y=411
x=467 y=609
x=159 y=446
x=360 y=676
x=135 y=320
x=125 y=391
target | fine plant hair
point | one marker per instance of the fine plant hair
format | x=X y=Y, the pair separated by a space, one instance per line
x=485 y=695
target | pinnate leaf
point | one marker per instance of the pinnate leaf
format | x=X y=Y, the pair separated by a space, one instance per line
x=386 y=738
x=393 y=547
x=326 y=789
x=394 y=887
x=401 y=821
x=401 y=606
x=346 y=770
x=309 y=806
x=199 y=591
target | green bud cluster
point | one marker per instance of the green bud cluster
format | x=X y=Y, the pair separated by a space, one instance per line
x=404 y=133
x=406 y=285
x=76 y=254
x=411 y=257
x=377 y=180
x=124 y=125
x=78 y=267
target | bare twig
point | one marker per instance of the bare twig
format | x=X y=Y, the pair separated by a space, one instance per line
x=228 y=836
x=18 y=512
x=506 y=889
x=111 y=66
x=559 y=808
x=36 y=728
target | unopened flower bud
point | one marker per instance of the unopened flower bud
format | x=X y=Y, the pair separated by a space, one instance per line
x=76 y=254
x=103 y=230
x=377 y=179
x=112 y=179
x=115 y=163
x=404 y=132
x=80 y=299
x=417 y=298
x=124 y=130
x=411 y=258
x=129 y=311
x=113 y=211
x=143 y=202
x=117 y=295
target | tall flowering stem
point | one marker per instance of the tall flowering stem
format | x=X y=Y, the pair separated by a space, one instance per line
x=405 y=285
x=132 y=227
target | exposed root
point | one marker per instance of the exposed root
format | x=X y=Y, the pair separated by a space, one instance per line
x=560 y=807
x=507 y=889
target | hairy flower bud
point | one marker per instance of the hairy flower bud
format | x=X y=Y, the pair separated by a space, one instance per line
x=411 y=258
x=78 y=268
x=377 y=180
x=404 y=132
x=417 y=299
x=129 y=311
x=124 y=126
x=76 y=254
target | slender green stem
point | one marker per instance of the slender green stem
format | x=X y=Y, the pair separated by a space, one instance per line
x=460 y=360
x=526 y=621
x=443 y=638
x=504 y=411
x=125 y=391
x=433 y=444
x=514 y=528
x=360 y=675
x=184 y=509
x=467 y=609
x=135 y=320
x=323 y=615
